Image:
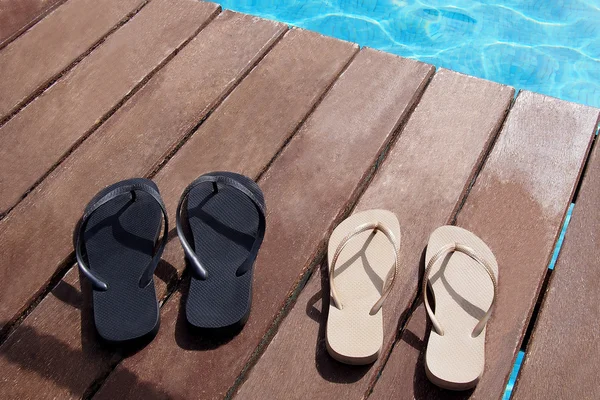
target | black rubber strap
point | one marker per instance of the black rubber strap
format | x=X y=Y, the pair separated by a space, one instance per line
x=198 y=270
x=146 y=277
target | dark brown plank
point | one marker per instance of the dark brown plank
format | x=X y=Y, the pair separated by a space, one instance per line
x=305 y=192
x=243 y=134
x=454 y=123
x=563 y=355
x=516 y=206
x=16 y=16
x=36 y=138
x=53 y=44
x=35 y=239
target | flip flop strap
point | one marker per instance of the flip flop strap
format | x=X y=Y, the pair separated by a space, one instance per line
x=453 y=247
x=198 y=269
x=146 y=278
x=376 y=226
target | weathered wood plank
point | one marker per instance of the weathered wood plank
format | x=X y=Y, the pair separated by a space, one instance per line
x=35 y=239
x=516 y=206
x=454 y=124
x=307 y=188
x=242 y=134
x=36 y=138
x=53 y=44
x=563 y=354
x=16 y=16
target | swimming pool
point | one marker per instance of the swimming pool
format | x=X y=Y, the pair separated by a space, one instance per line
x=546 y=46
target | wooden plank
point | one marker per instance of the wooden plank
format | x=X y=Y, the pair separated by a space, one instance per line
x=35 y=239
x=453 y=124
x=42 y=133
x=242 y=134
x=562 y=359
x=301 y=212
x=53 y=44
x=516 y=206
x=16 y=16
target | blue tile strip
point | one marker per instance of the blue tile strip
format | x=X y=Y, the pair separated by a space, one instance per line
x=513 y=376
x=561 y=238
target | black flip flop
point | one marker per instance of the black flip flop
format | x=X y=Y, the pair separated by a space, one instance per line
x=117 y=252
x=226 y=216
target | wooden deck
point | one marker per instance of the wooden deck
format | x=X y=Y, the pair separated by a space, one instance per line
x=92 y=92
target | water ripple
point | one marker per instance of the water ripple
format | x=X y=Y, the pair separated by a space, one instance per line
x=547 y=46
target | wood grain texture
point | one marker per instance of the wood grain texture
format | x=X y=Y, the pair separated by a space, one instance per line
x=306 y=189
x=53 y=44
x=563 y=354
x=16 y=16
x=35 y=239
x=516 y=206
x=453 y=124
x=38 y=136
x=242 y=134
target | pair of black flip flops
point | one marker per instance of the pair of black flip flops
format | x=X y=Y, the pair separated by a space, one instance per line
x=118 y=249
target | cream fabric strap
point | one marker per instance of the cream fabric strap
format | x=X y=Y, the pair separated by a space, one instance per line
x=471 y=253
x=376 y=226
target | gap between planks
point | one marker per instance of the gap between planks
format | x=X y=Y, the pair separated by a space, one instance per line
x=452 y=220
x=30 y=24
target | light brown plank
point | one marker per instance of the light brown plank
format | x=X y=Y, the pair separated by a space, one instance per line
x=453 y=124
x=563 y=354
x=41 y=54
x=516 y=206
x=243 y=134
x=306 y=189
x=36 y=138
x=16 y=16
x=35 y=239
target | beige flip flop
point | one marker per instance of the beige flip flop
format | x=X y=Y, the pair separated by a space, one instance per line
x=462 y=273
x=363 y=262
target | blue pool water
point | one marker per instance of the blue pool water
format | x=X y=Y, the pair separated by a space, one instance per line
x=547 y=46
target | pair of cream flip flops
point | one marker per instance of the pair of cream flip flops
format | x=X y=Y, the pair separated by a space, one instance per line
x=460 y=270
